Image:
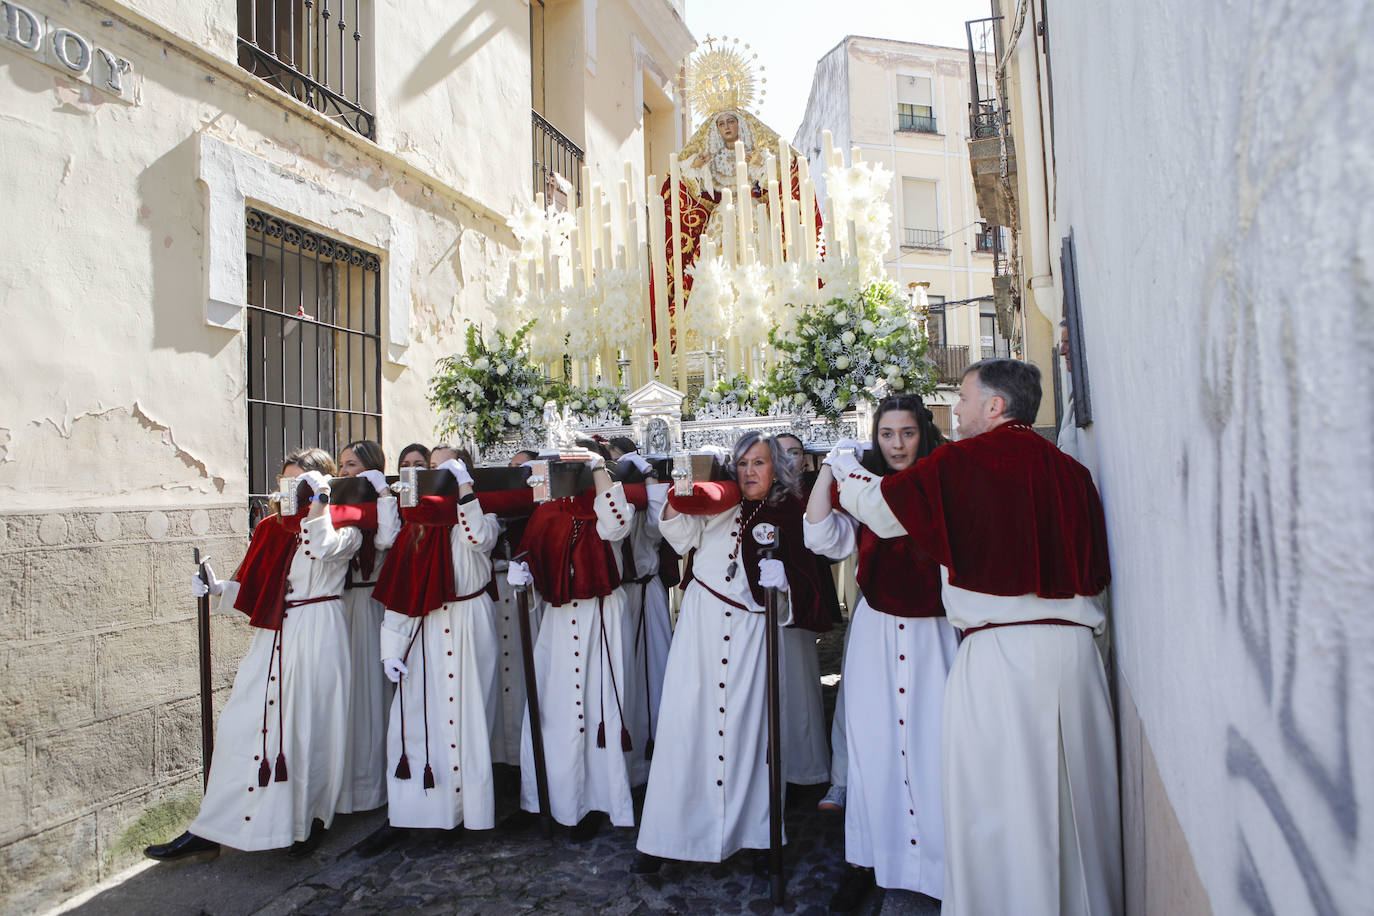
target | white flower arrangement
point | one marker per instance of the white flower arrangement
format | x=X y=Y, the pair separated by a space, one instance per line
x=489 y=390
x=833 y=360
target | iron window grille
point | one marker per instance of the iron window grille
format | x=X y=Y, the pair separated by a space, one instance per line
x=986 y=240
x=917 y=118
x=556 y=156
x=306 y=49
x=314 y=347
x=922 y=238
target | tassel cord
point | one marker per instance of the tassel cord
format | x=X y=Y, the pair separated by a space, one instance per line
x=264 y=768
x=606 y=661
x=403 y=764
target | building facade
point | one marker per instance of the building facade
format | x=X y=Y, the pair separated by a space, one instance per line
x=904 y=105
x=1212 y=264
x=237 y=228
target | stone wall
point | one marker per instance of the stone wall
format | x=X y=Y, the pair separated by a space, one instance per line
x=99 y=687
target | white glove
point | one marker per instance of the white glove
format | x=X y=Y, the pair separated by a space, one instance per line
x=518 y=574
x=395 y=669
x=772 y=574
x=378 y=480
x=842 y=462
x=459 y=471
x=317 y=482
x=207 y=586
x=640 y=462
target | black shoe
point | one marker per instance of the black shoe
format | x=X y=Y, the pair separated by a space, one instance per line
x=381 y=839
x=587 y=828
x=188 y=844
x=520 y=820
x=854 y=887
x=305 y=847
x=645 y=864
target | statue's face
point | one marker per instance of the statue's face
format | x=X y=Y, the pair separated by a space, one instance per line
x=728 y=125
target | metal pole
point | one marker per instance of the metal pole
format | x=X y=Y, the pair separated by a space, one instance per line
x=774 y=746
x=207 y=716
x=541 y=769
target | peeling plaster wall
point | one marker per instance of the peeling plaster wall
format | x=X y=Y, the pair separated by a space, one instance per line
x=123 y=428
x=1214 y=162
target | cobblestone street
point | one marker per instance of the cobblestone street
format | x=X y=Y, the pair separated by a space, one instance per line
x=499 y=872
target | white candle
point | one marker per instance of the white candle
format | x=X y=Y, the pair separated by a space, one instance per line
x=727 y=215
x=658 y=266
x=808 y=211
x=679 y=326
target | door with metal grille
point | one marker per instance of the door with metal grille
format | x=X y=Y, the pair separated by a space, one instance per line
x=314 y=347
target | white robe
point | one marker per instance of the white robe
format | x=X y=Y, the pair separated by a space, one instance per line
x=651 y=632
x=314 y=679
x=708 y=786
x=895 y=670
x=510 y=674
x=805 y=753
x=1032 y=814
x=579 y=674
x=364 y=785
x=451 y=656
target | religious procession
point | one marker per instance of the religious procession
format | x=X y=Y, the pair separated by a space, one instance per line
x=825 y=520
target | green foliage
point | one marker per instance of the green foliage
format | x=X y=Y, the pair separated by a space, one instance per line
x=838 y=351
x=751 y=395
x=588 y=401
x=488 y=391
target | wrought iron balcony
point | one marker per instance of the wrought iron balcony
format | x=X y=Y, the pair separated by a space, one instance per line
x=923 y=124
x=305 y=48
x=922 y=238
x=986 y=240
x=950 y=363
x=556 y=157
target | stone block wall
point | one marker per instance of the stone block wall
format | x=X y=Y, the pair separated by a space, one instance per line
x=99 y=687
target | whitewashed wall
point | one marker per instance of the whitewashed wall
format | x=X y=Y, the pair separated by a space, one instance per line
x=1215 y=163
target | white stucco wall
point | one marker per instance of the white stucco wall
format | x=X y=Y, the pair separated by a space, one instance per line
x=1215 y=163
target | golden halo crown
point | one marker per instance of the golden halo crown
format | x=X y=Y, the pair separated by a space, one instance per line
x=722 y=75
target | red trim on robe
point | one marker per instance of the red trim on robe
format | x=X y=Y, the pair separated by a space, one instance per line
x=1007 y=513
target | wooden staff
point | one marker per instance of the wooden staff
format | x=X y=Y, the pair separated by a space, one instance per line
x=207 y=715
x=541 y=768
x=766 y=536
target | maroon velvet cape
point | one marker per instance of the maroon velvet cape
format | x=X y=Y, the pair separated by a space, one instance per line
x=263 y=574
x=810 y=587
x=1007 y=513
x=417 y=576
x=568 y=558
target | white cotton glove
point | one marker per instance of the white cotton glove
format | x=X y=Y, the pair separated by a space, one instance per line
x=459 y=471
x=640 y=463
x=772 y=574
x=395 y=669
x=317 y=482
x=842 y=462
x=207 y=586
x=378 y=481
x=518 y=574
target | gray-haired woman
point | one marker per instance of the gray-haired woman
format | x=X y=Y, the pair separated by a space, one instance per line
x=708 y=786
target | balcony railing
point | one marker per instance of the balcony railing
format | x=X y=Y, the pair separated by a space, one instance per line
x=924 y=124
x=950 y=363
x=986 y=240
x=922 y=238
x=557 y=166
x=312 y=51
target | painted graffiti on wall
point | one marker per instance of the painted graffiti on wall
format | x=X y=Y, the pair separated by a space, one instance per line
x=1292 y=763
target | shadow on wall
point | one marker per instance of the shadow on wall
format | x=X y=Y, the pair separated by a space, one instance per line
x=1270 y=490
x=451 y=51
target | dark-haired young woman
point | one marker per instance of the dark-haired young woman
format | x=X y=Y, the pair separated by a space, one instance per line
x=895 y=665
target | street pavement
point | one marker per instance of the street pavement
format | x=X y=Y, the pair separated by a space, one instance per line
x=499 y=872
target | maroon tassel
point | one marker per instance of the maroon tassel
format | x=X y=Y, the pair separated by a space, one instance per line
x=403 y=768
x=626 y=744
x=649 y=749
x=429 y=777
x=264 y=774
x=281 y=767
x=601 y=735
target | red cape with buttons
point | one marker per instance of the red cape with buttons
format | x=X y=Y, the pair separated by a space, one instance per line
x=561 y=537
x=1007 y=513
x=265 y=568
